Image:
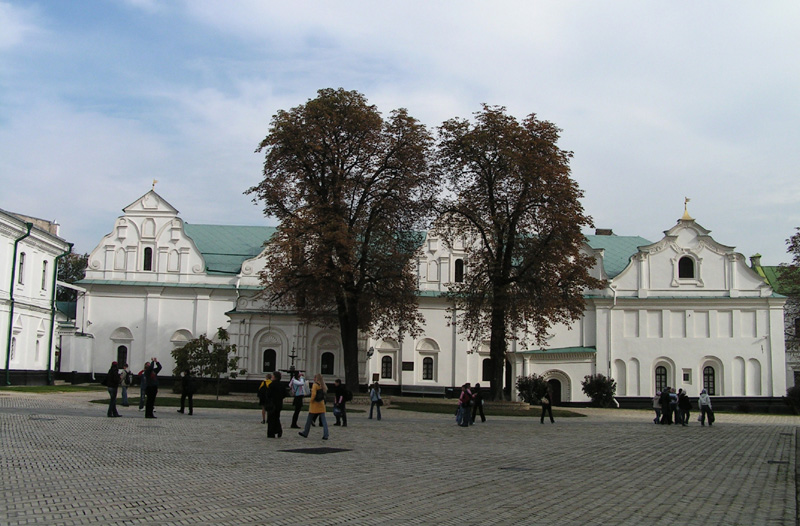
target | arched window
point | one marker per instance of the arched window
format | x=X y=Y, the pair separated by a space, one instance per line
x=270 y=357
x=148 y=258
x=326 y=363
x=386 y=367
x=459 y=271
x=686 y=267
x=709 y=380
x=487 y=370
x=21 y=269
x=661 y=378
x=44 y=275
x=427 y=368
x=122 y=355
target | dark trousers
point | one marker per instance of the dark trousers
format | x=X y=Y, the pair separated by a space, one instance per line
x=547 y=408
x=112 y=402
x=184 y=396
x=274 y=422
x=342 y=418
x=666 y=415
x=477 y=407
x=298 y=406
x=150 y=404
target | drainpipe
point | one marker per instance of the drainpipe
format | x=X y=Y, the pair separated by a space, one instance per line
x=11 y=301
x=53 y=315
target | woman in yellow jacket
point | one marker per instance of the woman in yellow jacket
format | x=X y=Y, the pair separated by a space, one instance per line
x=317 y=407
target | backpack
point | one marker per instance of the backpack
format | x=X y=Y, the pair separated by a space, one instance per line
x=320 y=397
x=348 y=395
x=128 y=378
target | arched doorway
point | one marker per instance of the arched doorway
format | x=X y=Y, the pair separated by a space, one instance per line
x=555 y=390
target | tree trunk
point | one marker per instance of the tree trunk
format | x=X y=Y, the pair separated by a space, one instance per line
x=348 y=328
x=497 y=351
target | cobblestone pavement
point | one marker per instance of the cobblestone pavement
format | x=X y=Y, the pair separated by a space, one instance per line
x=62 y=462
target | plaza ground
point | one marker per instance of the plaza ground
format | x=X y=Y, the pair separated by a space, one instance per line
x=63 y=462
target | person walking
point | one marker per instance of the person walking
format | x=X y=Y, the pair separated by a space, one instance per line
x=340 y=403
x=152 y=388
x=112 y=383
x=187 y=391
x=297 y=386
x=316 y=408
x=375 y=399
x=126 y=378
x=262 y=397
x=684 y=407
x=704 y=402
x=657 y=407
x=477 y=403
x=276 y=392
x=547 y=407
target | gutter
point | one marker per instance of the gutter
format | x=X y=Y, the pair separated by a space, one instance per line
x=53 y=316
x=29 y=226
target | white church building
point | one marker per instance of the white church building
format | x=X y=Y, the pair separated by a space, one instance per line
x=30 y=249
x=683 y=311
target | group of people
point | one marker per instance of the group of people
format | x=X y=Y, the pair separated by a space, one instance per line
x=122 y=377
x=671 y=407
x=470 y=403
x=272 y=391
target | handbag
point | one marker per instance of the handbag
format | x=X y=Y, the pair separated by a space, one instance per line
x=379 y=402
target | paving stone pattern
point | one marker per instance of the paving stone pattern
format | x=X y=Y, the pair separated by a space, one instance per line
x=63 y=462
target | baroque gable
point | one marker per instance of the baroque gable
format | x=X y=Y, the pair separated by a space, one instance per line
x=687 y=261
x=147 y=244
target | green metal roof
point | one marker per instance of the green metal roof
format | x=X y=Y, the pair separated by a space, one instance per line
x=617 y=250
x=226 y=247
x=772 y=276
x=67 y=308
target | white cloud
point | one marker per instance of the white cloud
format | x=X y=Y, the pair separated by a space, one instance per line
x=16 y=24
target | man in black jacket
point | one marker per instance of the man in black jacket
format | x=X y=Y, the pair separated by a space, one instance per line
x=152 y=387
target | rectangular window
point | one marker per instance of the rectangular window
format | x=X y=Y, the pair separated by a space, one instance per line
x=44 y=275
x=687 y=376
x=386 y=367
x=21 y=269
x=427 y=368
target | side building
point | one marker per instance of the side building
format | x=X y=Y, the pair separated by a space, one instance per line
x=685 y=311
x=30 y=249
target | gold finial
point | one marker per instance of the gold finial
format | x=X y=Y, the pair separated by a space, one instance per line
x=686 y=216
x=154 y=183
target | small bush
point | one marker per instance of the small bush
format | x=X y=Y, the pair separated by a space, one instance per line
x=600 y=389
x=531 y=388
x=793 y=398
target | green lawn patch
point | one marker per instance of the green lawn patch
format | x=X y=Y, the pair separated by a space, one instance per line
x=493 y=411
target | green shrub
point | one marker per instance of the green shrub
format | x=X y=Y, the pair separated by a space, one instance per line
x=793 y=398
x=600 y=389
x=531 y=388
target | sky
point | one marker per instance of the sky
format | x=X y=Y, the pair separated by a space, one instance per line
x=658 y=101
